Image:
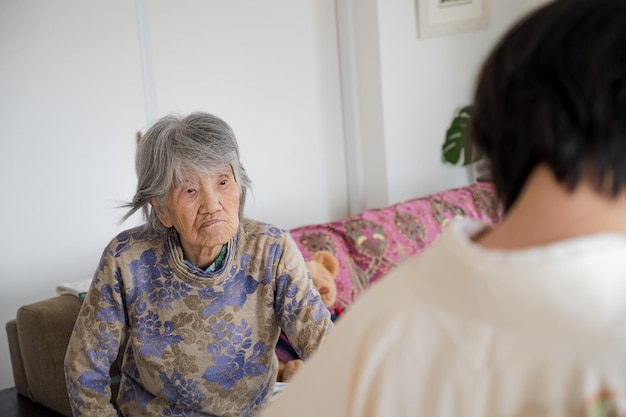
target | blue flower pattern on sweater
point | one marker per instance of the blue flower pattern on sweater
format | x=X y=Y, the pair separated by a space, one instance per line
x=196 y=339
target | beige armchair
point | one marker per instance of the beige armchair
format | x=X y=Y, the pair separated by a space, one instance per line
x=38 y=338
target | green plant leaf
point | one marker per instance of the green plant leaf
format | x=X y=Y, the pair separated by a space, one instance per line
x=457 y=142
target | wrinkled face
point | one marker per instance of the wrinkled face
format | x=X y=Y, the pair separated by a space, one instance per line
x=204 y=210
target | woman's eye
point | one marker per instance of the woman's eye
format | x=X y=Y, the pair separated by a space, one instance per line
x=189 y=191
x=223 y=182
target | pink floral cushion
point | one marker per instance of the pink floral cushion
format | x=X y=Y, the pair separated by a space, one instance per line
x=370 y=244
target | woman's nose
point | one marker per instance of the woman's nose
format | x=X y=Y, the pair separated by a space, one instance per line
x=210 y=202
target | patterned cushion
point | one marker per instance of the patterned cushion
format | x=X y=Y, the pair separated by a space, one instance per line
x=370 y=244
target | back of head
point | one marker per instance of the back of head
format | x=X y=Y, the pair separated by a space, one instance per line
x=553 y=92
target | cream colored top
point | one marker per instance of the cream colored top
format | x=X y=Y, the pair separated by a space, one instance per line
x=464 y=331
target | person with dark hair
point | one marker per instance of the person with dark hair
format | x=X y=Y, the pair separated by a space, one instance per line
x=526 y=318
x=195 y=299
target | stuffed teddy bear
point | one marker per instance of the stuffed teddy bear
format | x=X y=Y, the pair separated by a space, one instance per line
x=323 y=268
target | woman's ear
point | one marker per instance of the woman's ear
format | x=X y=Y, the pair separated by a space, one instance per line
x=161 y=213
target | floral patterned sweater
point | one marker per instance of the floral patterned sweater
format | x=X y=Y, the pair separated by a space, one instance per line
x=198 y=343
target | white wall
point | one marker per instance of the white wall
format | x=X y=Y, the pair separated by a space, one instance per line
x=78 y=79
x=424 y=80
x=72 y=97
x=70 y=103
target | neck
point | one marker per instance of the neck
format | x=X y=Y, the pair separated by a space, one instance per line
x=546 y=212
x=202 y=258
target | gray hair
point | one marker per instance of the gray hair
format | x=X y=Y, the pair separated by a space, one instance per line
x=174 y=146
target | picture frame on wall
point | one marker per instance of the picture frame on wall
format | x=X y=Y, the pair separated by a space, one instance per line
x=440 y=17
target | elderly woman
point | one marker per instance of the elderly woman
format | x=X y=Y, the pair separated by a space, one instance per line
x=199 y=293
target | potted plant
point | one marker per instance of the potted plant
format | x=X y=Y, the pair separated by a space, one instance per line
x=458 y=148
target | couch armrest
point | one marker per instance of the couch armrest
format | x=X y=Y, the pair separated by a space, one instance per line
x=43 y=331
x=17 y=365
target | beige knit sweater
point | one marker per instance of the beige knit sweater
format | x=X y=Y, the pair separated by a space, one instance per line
x=199 y=343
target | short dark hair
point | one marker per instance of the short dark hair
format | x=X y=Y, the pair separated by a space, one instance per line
x=553 y=92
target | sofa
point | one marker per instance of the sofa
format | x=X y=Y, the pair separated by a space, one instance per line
x=367 y=245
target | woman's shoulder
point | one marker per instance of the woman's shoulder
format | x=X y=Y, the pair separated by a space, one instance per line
x=253 y=227
x=254 y=234
x=133 y=233
x=265 y=239
x=129 y=239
